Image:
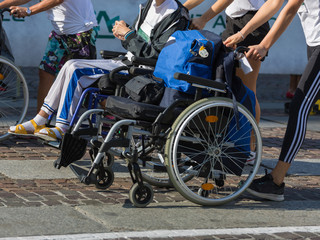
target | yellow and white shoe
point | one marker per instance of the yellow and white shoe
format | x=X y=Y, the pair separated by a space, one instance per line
x=50 y=134
x=21 y=130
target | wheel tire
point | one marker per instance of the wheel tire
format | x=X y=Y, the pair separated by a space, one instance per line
x=204 y=143
x=104 y=180
x=14 y=96
x=141 y=196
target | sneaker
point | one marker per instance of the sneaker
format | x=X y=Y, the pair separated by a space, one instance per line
x=289 y=95
x=3 y=87
x=265 y=188
x=251 y=157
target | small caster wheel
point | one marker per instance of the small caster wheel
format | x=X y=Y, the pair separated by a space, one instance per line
x=104 y=178
x=56 y=165
x=141 y=196
x=220 y=181
x=85 y=180
x=203 y=193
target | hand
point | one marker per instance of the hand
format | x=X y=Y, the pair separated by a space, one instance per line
x=256 y=52
x=18 y=12
x=233 y=40
x=197 y=23
x=120 y=29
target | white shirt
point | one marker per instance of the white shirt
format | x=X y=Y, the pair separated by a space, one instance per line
x=238 y=8
x=309 y=14
x=155 y=15
x=72 y=16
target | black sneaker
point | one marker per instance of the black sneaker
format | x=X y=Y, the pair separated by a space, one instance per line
x=265 y=188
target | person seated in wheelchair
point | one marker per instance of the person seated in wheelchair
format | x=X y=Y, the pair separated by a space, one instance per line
x=156 y=21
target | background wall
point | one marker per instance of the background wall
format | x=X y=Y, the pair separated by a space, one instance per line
x=28 y=36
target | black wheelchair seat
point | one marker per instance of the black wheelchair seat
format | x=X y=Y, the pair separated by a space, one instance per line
x=128 y=108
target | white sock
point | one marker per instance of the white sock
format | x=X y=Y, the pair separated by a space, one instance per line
x=39 y=120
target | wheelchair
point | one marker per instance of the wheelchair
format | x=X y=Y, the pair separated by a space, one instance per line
x=199 y=145
x=14 y=93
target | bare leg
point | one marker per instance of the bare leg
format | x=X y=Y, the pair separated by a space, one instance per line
x=294 y=81
x=43 y=114
x=279 y=172
x=46 y=81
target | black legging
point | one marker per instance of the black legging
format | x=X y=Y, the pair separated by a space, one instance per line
x=307 y=93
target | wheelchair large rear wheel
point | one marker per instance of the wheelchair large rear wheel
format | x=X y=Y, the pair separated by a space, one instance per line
x=14 y=96
x=206 y=142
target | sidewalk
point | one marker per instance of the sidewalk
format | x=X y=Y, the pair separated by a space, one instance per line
x=38 y=200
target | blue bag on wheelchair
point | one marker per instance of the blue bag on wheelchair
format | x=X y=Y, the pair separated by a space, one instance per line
x=191 y=52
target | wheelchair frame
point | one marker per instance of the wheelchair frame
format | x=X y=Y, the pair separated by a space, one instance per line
x=209 y=181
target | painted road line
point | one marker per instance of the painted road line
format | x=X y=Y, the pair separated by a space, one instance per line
x=173 y=233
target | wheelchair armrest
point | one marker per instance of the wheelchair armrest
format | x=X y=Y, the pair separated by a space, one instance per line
x=201 y=82
x=140 y=71
x=110 y=54
x=143 y=61
x=113 y=72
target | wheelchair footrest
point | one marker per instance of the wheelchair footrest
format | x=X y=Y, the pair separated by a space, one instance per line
x=82 y=174
x=72 y=149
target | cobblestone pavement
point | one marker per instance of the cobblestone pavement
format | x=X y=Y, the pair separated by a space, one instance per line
x=71 y=191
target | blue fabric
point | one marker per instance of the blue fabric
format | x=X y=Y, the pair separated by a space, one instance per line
x=77 y=74
x=191 y=52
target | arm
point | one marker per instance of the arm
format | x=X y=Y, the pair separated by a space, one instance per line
x=214 y=10
x=283 y=21
x=190 y=4
x=37 y=8
x=120 y=29
x=9 y=3
x=268 y=9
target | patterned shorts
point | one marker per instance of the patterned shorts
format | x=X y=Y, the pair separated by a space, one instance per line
x=61 y=48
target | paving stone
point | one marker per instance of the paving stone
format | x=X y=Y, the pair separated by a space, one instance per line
x=307 y=234
x=288 y=235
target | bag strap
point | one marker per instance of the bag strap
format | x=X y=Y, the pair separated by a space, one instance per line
x=228 y=65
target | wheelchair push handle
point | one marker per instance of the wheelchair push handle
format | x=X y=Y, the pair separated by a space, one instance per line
x=241 y=49
x=239 y=52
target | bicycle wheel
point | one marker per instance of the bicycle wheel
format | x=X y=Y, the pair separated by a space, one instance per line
x=14 y=96
x=206 y=141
